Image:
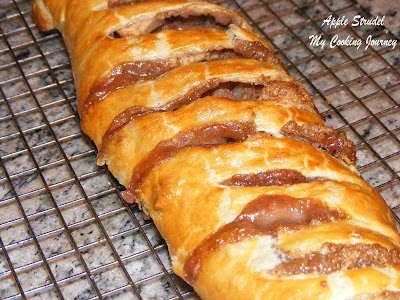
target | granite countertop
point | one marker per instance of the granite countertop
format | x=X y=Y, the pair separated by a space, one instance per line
x=388 y=8
x=70 y=190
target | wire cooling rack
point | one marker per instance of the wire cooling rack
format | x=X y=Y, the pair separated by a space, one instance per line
x=65 y=233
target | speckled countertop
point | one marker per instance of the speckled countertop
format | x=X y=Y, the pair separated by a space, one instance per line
x=62 y=222
x=389 y=8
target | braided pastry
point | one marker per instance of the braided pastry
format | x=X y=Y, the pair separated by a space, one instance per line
x=192 y=112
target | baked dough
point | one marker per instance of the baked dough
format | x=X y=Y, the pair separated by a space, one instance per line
x=196 y=117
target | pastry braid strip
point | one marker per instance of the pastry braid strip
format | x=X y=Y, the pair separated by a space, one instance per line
x=193 y=113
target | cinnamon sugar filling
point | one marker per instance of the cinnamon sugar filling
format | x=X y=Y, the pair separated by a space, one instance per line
x=269 y=178
x=277 y=90
x=323 y=137
x=263 y=216
x=334 y=257
x=207 y=136
x=118 y=3
x=192 y=22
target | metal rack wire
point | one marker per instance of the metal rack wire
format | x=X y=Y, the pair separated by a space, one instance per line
x=64 y=232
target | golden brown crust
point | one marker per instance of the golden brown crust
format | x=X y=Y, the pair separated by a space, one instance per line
x=42 y=15
x=195 y=116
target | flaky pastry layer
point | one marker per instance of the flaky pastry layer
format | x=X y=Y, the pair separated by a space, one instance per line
x=193 y=113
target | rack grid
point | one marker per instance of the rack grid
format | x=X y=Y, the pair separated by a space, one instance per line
x=64 y=231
